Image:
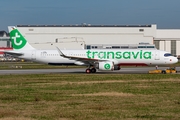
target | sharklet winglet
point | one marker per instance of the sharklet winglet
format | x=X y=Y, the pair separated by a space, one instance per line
x=60 y=52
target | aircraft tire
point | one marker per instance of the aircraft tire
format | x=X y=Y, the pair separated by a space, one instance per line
x=164 y=72
x=88 y=70
x=93 y=70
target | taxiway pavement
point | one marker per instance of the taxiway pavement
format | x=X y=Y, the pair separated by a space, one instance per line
x=128 y=70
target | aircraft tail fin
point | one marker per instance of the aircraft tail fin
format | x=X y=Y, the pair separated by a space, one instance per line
x=18 y=41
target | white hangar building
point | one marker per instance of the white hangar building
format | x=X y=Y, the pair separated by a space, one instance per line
x=88 y=36
x=82 y=36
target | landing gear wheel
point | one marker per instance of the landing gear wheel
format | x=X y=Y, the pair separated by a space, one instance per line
x=93 y=70
x=88 y=70
x=163 y=72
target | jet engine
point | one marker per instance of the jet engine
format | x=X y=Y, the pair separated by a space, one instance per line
x=105 y=66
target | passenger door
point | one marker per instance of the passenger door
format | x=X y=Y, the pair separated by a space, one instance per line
x=157 y=55
x=33 y=55
x=43 y=54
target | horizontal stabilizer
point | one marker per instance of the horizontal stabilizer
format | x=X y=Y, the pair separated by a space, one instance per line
x=13 y=53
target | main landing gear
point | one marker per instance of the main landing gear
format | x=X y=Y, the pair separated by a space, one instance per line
x=91 y=70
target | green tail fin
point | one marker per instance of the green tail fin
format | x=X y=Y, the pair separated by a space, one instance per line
x=18 y=41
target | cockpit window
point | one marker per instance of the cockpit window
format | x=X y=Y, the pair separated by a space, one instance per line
x=167 y=54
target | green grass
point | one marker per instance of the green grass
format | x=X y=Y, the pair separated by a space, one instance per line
x=92 y=96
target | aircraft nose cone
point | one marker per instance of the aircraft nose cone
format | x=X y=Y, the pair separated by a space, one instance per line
x=175 y=60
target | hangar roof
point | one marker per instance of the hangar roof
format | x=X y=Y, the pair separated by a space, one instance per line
x=84 y=25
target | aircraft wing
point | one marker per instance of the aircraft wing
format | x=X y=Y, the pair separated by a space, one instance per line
x=85 y=60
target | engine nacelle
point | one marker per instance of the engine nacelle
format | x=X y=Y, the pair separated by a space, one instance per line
x=105 y=66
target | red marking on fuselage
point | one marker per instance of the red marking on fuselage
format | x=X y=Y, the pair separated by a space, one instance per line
x=132 y=64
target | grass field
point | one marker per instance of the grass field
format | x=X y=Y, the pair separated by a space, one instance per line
x=90 y=97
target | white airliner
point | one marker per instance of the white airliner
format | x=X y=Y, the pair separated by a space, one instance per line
x=101 y=59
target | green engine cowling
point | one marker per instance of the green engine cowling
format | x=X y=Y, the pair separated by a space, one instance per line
x=109 y=66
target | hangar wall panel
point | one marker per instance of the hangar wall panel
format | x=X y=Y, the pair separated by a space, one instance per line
x=178 y=48
x=64 y=46
x=168 y=33
x=3 y=43
x=87 y=35
x=162 y=45
x=168 y=46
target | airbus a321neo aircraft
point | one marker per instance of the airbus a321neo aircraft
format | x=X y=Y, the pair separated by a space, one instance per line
x=101 y=59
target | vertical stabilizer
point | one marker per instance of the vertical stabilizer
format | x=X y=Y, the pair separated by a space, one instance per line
x=18 y=41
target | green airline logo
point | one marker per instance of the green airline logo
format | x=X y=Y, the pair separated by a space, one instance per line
x=17 y=39
x=107 y=66
x=119 y=55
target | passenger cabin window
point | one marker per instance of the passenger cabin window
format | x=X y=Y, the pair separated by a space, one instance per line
x=167 y=54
